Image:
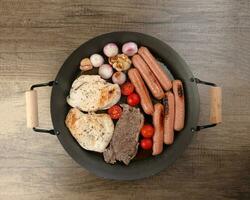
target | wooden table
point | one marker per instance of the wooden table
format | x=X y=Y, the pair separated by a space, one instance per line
x=212 y=36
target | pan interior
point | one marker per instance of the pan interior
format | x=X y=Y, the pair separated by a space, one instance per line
x=138 y=168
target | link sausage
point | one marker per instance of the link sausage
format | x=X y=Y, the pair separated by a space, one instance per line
x=156 y=68
x=147 y=75
x=158 y=118
x=179 y=105
x=141 y=89
x=169 y=110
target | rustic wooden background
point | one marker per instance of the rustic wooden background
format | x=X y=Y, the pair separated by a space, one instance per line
x=213 y=37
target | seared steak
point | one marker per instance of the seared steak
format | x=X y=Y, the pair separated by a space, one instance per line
x=124 y=143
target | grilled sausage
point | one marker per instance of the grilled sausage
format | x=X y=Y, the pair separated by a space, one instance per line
x=156 y=68
x=147 y=75
x=179 y=105
x=141 y=89
x=158 y=118
x=169 y=110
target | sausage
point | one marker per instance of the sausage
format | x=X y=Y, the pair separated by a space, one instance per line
x=179 y=105
x=158 y=118
x=150 y=79
x=156 y=68
x=142 y=91
x=169 y=110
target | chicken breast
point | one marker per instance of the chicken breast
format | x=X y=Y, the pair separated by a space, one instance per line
x=92 y=131
x=92 y=93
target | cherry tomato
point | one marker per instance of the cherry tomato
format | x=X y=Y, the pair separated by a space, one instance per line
x=133 y=99
x=146 y=144
x=147 y=131
x=115 y=112
x=127 y=88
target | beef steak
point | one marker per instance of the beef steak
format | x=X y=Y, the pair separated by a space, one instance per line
x=124 y=143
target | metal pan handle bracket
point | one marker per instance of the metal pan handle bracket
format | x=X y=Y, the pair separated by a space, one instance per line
x=32 y=108
x=216 y=104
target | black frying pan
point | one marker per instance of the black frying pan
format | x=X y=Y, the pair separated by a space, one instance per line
x=93 y=161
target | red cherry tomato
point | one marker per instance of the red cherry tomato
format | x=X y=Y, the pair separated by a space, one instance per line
x=147 y=131
x=127 y=88
x=133 y=99
x=115 y=112
x=146 y=144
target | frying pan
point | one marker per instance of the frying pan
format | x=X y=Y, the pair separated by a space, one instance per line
x=93 y=161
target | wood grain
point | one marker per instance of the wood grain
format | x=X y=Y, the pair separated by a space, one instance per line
x=215 y=105
x=212 y=36
x=31 y=108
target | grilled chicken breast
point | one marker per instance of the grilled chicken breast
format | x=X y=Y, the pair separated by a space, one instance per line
x=92 y=131
x=92 y=93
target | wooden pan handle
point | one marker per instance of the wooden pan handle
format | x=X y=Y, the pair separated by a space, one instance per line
x=31 y=108
x=216 y=104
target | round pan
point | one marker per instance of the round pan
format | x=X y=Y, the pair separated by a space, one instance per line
x=93 y=161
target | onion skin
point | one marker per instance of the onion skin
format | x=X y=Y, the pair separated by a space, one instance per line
x=105 y=71
x=96 y=60
x=119 y=78
x=110 y=50
x=129 y=48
